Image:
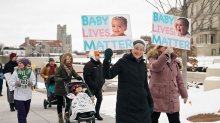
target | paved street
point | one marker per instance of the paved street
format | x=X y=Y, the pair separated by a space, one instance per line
x=37 y=112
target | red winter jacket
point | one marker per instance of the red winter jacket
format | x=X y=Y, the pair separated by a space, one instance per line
x=166 y=82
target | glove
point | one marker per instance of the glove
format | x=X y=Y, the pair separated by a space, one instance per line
x=108 y=55
x=151 y=105
x=65 y=79
x=46 y=77
x=17 y=84
x=79 y=78
x=185 y=100
x=30 y=84
x=169 y=50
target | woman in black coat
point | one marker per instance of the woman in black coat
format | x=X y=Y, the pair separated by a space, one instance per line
x=134 y=101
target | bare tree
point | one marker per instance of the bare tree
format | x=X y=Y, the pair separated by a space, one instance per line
x=1 y=48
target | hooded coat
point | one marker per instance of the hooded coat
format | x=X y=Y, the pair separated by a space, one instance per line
x=9 y=67
x=1 y=75
x=61 y=73
x=92 y=73
x=133 y=95
x=166 y=82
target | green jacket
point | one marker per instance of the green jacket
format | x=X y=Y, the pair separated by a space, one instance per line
x=60 y=74
x=59 y=84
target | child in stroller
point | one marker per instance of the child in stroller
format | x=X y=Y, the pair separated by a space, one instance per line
x=82 y=107
x=51 y=97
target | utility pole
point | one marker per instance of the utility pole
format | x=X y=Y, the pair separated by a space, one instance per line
x=184 y=52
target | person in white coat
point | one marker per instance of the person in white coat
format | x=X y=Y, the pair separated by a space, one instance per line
x=23 y=79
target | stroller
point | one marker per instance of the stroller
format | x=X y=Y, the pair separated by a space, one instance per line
x=51 y=97
x=80 y=116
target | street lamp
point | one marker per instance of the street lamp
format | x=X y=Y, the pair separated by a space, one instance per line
x=40 y=45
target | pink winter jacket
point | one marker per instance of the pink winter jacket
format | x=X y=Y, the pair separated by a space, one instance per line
x=166 y=82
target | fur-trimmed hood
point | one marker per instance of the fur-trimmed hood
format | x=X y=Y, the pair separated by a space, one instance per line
x=63 y=57
x=155 y=54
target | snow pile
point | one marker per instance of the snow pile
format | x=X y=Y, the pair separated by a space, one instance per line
x=194 y=84
x=212 y=78
x=41 y=85
x=202 y=103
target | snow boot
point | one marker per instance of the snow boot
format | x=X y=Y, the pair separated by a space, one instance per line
x=98 y=116
x=11 y=106
x=15 y=105
x=66 y=117
x=1 y=90
x=60 y=117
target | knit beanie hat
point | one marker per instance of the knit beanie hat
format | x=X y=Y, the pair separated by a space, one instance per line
x=51 y=59
x=24 y=61
x=139 y=41
x=74 y=88
x=92 y=54
x=12 y=55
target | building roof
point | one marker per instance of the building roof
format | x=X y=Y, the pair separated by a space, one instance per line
x=55 y=43
x=8 y=48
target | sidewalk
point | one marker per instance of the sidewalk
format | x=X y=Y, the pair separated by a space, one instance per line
x=37 y=113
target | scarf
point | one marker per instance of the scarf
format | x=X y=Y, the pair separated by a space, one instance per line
x=138 y=60
x=51 y=70
x=68 y=68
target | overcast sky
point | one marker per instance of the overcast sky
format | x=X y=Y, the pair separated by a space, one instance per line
x=38 y=19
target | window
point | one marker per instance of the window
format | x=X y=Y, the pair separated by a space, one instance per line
x=51 y=51
x=59 y=51
x=43 y=46
x=55 y=51
x=66 y=41
x=21 y=52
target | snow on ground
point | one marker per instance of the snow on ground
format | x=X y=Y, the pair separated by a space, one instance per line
x=40 y=85
x=202 y=103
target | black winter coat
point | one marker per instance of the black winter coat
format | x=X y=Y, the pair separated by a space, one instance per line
x=92 y=74
x=133 y=93
x=9 y=67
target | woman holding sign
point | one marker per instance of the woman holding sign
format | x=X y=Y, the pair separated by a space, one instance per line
x=134 y=102
x=23 y=79
x=166 y=83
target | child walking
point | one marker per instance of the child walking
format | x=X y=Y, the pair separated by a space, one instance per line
x=23 y=79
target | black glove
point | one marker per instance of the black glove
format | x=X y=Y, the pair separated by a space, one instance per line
x=151 y=105
x=65 y=79
x=79 y=78
x=108 y=55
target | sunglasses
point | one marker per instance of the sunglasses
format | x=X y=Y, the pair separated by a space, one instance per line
x=97 y=55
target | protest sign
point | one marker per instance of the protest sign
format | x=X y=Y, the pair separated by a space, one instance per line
x=8 y=80
x=169 y=30
x=106 y=31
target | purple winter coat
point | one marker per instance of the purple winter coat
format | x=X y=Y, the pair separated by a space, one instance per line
x=166 y=82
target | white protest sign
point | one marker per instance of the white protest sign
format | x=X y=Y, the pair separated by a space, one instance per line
x=106 y=31
x=169 y=30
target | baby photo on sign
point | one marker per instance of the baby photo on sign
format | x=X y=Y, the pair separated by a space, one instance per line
x=119 y=25
x=181 y=27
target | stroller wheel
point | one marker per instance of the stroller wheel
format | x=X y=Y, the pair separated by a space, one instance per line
x=93 y=121
x=45 y=104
